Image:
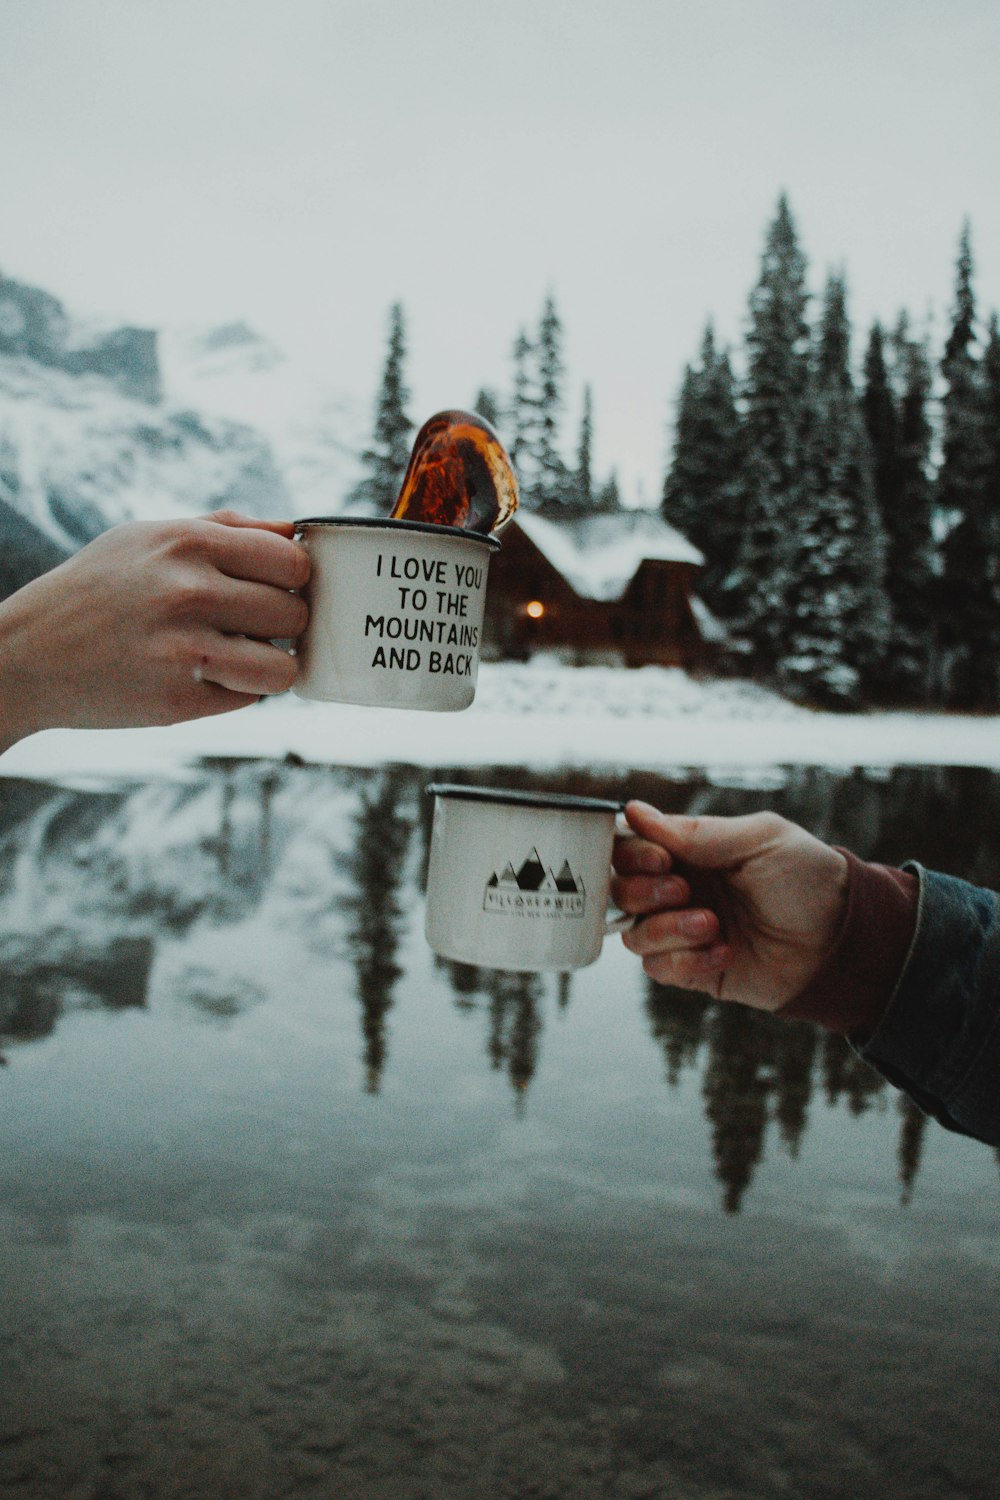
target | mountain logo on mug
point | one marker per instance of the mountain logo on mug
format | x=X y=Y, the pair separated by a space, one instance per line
x=535 y=890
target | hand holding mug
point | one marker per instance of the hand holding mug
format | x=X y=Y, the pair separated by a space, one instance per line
x=152 y=623
x=743 y=908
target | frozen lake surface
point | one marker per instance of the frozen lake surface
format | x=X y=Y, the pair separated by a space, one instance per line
x=542 y=714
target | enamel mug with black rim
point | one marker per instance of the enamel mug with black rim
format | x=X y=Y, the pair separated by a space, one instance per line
x=520 y=880
x=395 y=612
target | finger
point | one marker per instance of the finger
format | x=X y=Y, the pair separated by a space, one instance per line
x=667 y=931
x=256 y=609
x=227 y=517
x=246 y=666
x=260 y=554
x=639 y=856
x=702 y=969
x=707 y=843
x=641 y=893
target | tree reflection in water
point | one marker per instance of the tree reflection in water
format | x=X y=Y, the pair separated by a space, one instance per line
x=759 y=1070
x=94 y=886
x=513 y=1004
x=383 y=826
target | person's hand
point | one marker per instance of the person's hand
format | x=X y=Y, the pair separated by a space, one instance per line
x=742 y=908
x=152 y=623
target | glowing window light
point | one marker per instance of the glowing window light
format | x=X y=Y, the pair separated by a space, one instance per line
x=535 y=609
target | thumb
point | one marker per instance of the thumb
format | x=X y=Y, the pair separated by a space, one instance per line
x=706 y=843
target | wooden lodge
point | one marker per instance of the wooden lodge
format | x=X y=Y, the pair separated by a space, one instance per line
x=616 y=588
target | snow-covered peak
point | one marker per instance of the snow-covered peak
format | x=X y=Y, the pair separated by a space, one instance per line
x=101 y=424
x=228 y=350
x=316 y=433
x=34 y=325
x=79 y=455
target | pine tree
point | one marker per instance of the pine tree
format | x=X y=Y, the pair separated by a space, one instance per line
x=523 y=417
x=991 y=402
x=553 y=477
x=776 y=404
x=487 y=405
x=385 y=461
x=609 y=499
x=899 y=432
x=703 y=492
x=878 y=403
x=583 y=478
x=963 y=327
x=836 y=618
x=990 y=381
x=968 y=595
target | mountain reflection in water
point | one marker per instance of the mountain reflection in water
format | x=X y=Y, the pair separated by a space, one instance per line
x=91 y=882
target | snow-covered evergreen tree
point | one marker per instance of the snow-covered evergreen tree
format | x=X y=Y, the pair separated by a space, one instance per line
x=704 y=493
x=487 y=405
x=544 y=480
x=385 y=461
x=836 y=619
x=553 y=477
x=608 y=498
x=878 y=403
x=776 y=408
x=522 y=421
x=583 y=477
x=970 y=606
x=991 y=401
x=894 y=403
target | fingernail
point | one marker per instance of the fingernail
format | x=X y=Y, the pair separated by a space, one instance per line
x=668 y=891
x=695 y=924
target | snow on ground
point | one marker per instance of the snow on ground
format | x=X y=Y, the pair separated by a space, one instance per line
x=540 y=715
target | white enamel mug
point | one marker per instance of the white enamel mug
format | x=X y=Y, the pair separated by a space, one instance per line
x=520 y=880
x=395 y=612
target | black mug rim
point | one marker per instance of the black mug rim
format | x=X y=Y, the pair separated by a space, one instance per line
x=392 y=524
x=512 y=796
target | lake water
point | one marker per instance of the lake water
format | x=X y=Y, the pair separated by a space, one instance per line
x=291 y=1208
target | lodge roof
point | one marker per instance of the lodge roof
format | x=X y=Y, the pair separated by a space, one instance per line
x=599 y=555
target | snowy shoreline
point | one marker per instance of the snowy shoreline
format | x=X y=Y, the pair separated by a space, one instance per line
x=542 y=715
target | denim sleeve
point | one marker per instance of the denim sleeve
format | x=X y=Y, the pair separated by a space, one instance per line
x=939 y=1039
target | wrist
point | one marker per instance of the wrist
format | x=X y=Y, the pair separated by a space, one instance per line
x=852 y=987
x=20 y=713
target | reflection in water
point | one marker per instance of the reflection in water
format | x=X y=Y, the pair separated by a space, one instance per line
x=911 y=1143
x=514 y=1017
x=41 y=976
x=738 y=1085
x=94 y=885
x=383 y=825
x=757 y=1071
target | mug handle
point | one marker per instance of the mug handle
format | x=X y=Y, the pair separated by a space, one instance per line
x=620 y=921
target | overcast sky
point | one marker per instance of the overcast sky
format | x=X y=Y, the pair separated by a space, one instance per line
x=303 y=163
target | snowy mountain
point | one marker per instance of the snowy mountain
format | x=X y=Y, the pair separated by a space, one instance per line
x=316 y=435
x=99 y=426
x=34 y=325
x=77 y=455
x=24 y=550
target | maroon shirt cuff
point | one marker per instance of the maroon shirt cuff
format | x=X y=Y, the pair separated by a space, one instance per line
x=857 y=979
